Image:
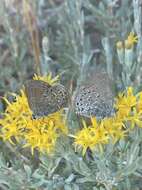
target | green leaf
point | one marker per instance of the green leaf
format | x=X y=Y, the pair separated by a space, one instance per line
x=70 y=178
x=28 y=171
x=68 y=187
x=50 y=164
x=84 y=169
x=139 y=162
x=75 y=187
x=2 y=161
x=37 y=175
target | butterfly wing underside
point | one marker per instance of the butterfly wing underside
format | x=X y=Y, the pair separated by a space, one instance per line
x=45 y=99
x=95 y=98
x=35 y=91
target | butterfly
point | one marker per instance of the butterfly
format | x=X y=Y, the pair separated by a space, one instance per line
x=44 y=99
x=95 y=98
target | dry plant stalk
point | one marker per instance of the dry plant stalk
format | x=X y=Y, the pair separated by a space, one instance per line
x=31 y=24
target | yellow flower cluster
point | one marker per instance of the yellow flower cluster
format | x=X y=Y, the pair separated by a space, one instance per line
x=98 y=133
x=129 y=42
x=47 y=78
x=19 y=127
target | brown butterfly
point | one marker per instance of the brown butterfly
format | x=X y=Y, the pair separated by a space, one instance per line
x=44 y=99
x=95 y=98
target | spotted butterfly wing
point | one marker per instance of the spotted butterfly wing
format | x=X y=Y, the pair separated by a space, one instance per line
x=95 y=98
x=44 y=99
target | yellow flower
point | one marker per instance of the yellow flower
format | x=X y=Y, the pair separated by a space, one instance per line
x=91 y=137
x=41 y=137
x=101 y=132
x=47 y=78
x=125 y=102
x=83 y=139
x=13 y=118
x=119 y=45
x=135 y=118
x=18 y=125
x=115 y=128
x=98 y=133
x=131 y=40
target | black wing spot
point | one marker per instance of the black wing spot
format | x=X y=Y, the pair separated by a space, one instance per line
x=82 y=109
